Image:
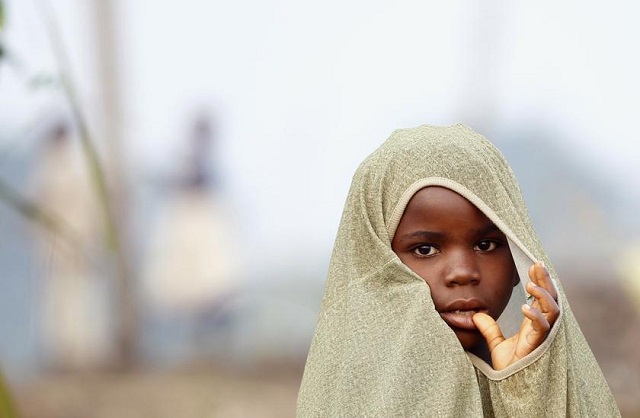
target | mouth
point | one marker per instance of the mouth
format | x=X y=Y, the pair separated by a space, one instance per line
x=459 y=313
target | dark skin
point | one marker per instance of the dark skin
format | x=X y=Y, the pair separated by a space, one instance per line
x=466 y=261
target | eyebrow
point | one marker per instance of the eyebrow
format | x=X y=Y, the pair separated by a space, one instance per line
x=488 y=228
x=434 y=236
x=429 y=235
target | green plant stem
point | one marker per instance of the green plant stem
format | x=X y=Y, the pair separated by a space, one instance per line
x=126 y=306
x=31 y=211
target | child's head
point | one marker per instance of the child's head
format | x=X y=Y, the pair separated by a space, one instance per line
x=462 y=256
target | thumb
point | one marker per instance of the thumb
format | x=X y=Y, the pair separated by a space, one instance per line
x=489 y=329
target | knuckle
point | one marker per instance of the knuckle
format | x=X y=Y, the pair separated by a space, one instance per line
x=544 y=326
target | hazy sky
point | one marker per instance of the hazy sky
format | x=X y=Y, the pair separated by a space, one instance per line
x=303 y=91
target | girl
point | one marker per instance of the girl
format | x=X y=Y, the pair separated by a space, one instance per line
x=433 y=243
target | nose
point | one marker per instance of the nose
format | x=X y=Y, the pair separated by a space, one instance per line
x=462 y=269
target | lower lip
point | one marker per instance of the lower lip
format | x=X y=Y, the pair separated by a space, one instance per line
x=460 y=320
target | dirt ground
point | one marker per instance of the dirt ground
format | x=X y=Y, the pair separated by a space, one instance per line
x=153 y=395
x=610 y=323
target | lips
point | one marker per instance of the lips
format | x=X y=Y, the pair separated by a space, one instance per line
x=458 y=313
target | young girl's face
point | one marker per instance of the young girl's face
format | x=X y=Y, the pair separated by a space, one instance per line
x=462 y=256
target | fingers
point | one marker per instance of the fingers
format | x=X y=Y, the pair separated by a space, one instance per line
x=542 y=289
x=539 y=322
x=544 y=311
x=540 y=276
x=533 y=333
x=489 y=329
x=544 y=302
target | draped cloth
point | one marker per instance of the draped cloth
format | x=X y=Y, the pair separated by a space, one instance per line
x=382 y=350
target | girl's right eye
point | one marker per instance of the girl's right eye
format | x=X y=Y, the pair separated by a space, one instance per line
x=425 y=250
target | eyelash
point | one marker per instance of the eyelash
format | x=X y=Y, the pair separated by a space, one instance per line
x=493 y=245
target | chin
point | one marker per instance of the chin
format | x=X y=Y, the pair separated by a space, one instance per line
x=470 y=340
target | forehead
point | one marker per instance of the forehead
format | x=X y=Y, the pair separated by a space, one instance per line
x=442 y=209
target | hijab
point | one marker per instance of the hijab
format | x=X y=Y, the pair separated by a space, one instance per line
x=381 y=349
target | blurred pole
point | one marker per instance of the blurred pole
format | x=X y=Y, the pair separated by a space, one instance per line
x=104 y=15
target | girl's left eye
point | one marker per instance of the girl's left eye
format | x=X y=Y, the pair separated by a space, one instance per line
x=486 y=246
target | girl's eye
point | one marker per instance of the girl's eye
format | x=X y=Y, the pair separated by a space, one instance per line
x=486 y=246
x=425 y=250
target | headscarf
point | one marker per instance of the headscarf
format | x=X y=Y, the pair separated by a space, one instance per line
x=382 y=350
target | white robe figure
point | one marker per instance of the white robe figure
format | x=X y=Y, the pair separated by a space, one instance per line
x=74 y=322
x=190 y=265
x=629 y=270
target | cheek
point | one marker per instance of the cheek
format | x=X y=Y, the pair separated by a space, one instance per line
x=430 y=279
x=419 y=267
x=424 y=274
x=503 y=265
x=503 y=278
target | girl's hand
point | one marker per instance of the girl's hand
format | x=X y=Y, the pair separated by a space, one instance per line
x=539 y=318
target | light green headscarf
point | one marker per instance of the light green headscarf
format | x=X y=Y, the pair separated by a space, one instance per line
x=380 y=347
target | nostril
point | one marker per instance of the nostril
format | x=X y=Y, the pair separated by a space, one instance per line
x=462 y=278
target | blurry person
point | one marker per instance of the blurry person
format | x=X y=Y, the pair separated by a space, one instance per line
x=74 y=306
x=438 y=301
x=190 y=266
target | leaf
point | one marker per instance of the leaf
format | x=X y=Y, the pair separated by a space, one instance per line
x=32 y=211
x=7 y=405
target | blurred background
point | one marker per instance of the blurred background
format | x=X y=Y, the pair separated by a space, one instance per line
x=172 y=176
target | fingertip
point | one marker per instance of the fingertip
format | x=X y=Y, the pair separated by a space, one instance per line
x=538 y=321
x=482 y=320
x=538 y=273
x=545 y=271
x=535 y=271
x=478 y=316
x=529 y=312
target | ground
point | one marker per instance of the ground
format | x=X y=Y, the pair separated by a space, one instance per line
x=609 y=321
x=182 y=394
